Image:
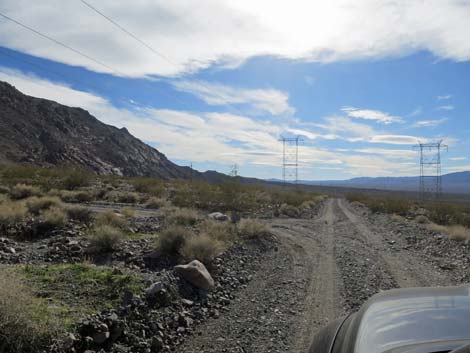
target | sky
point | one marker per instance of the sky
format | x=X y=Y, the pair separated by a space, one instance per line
x=214 y=83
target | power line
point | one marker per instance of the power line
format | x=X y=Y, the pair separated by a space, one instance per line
x=126 y=31
x=152 y=49
x=58 y=42
x=119 y=72
x=66 y=77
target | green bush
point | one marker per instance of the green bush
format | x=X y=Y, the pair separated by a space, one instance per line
x=75 y=179
x=105 y=238
x=149 y=186
x=171 y=240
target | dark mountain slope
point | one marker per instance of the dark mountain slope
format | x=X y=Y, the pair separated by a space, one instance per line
x=43 y=132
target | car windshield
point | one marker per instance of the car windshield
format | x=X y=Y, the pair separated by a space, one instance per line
x=402 y=321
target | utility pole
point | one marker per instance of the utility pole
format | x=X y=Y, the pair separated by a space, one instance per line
x=290 y=159
x=430 y=175
x=234 y=170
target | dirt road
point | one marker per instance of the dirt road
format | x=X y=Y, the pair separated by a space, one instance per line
x=322 y=269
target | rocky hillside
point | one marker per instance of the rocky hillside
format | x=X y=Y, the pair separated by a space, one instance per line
x=43 y=132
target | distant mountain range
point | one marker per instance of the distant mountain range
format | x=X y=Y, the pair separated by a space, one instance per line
x=45 y=133
x=451 y=183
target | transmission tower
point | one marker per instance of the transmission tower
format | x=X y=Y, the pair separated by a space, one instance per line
x=430 y=177
x=234 y=170
x=290 y=159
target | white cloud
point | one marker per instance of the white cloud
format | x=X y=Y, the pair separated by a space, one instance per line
x=262 y=100
x=34 y=86
x=458 y=158
x=199 y=34
x=396 y=139
x=416 y=112
x=446 y=107
x=429 y=123
x=369 y=114
x=440 y=98
x=229 y=138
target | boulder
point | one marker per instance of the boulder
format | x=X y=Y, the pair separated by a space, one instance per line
x=158 y=293
x=196 y=273
x=218 y=216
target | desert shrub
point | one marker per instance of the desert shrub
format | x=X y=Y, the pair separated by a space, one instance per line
x=156 y=202
x=252 y=229
x=54 y=218
x=202 y=247
x=221 y=231
x=22 y=191
x=26 y=324
x=122 y=197
x=73 y=195
x=149 y=186
x=75 y=179
x=289 y=210
x=37 y=204
x=105 y=238
x=456 y=232
x=110 y=218
x=12 y=212
x=80 y=214
x=4 y=198
x=421 y=219
x=356 y=197
x=181 y=216
x=128 y=212
x=307 y=204
x=171 y=240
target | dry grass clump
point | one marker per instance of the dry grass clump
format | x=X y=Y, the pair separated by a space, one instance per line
x=220 y=231
x=110 y=218
x=171 y=240
x=201 y=247
x=12 y=212
x=80 y=214
x=73 y=195
x=122 y=197
x=128 y=212
x=181 y=216
x=54 y=217
x=4 y=198
x=156 y=202
x=105 y=238
x=421 y=219
x=289 y=211
x=252 y=229
x=455 y=232
x=37 y=204
x=26 y=325
x=22 y=191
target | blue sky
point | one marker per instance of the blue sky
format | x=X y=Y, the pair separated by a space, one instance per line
x=360 y=82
